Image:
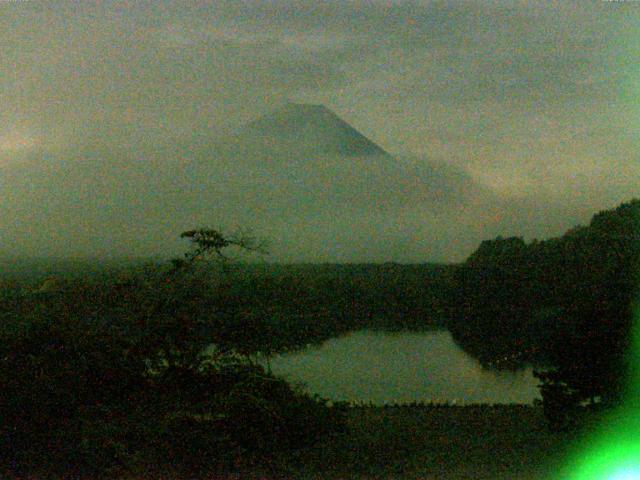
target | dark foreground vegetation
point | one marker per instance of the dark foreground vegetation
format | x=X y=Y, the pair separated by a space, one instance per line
x=565 y=305
x=143 y=375
x=131 y=371
x=480 y=442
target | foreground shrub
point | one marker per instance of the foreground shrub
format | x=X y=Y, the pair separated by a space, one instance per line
x=111 y=379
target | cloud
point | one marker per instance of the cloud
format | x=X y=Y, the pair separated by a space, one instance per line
x=491 y=104
x=97 y=200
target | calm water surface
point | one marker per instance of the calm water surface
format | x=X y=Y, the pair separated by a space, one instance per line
x=401 y=367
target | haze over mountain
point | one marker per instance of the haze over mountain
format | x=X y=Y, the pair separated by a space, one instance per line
x=300 y=176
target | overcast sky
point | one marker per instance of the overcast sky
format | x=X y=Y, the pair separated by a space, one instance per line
x=537 y=104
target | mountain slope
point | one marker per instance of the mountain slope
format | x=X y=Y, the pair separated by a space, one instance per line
x=303 y=129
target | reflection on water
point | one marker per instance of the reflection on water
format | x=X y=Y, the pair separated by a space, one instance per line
x=401 y=367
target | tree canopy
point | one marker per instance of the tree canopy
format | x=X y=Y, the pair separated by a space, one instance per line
x=563 y=304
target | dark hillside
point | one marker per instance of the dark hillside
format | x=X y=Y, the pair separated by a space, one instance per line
x=561 y=302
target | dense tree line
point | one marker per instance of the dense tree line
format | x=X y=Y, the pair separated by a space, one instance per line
x=563 y=304
x=299 y=304
x=289 y=306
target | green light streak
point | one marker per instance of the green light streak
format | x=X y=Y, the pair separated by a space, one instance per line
x=611 y=454
x=612 y=450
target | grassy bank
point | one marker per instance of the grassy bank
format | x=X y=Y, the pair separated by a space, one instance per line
x=483 y=442
x=435 y=442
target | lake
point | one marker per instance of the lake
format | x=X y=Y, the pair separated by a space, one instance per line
x=381 y=367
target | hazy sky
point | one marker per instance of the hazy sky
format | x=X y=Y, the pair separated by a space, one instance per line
x=532 y=106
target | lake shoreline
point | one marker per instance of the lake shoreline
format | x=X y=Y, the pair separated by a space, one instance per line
x=378 y=367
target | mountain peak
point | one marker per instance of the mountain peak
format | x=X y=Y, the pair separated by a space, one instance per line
x=310 y=128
